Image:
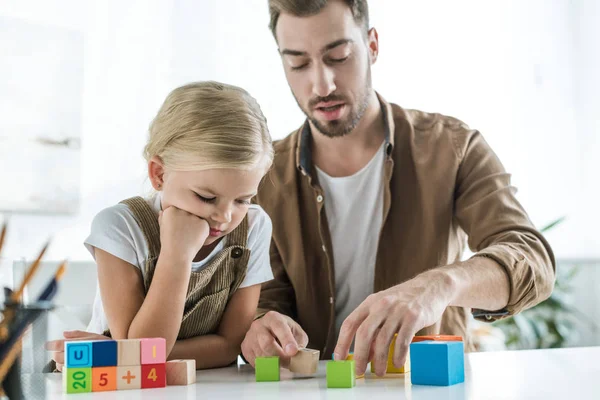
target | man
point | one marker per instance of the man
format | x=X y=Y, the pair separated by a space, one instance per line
x=372 y=205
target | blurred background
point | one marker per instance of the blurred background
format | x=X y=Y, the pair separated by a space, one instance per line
x=83 y=79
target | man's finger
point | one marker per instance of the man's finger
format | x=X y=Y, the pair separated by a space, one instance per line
x=405 y=335
x=283 y=333
x=364 y=339
x=348 y=331
x=300 y=336
x=380 y=347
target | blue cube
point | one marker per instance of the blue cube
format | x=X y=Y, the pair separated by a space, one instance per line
x=78 y=354
x=104 y=353
x=437 y=363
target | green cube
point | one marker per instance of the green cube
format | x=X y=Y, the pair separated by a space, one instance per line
x=340 y=374
x=77 y=380
x=267 y=369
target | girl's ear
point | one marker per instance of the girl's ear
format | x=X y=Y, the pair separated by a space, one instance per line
x=156 y=172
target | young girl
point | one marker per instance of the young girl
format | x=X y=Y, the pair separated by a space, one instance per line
x=186 y=264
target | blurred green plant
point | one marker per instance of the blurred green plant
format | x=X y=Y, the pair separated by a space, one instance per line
x=553 y=322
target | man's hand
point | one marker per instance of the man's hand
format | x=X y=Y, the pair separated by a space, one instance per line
x=273 y=335
x=402 y=309
x=58 y=346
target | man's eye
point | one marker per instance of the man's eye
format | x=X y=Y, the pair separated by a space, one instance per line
x=299 y=67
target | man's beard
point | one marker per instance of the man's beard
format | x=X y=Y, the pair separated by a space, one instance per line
x=339 y=128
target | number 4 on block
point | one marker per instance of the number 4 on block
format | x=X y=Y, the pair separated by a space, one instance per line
x=154 y=376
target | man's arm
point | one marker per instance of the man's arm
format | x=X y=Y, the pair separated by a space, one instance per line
x=500 y=230
x=513 y=268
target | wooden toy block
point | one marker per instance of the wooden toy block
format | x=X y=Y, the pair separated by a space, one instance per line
x=128 y=352
x=267 y=369
x=340 y=374
x=437 y=363
x=104 y=353
x=129 y=377
x=181 y=372
x=391 y=368
x=153 y=351
x=104 y=379
x=444 y=338
x=78 y=354
x=305 y=361
x=77 y=380
x=154 y=376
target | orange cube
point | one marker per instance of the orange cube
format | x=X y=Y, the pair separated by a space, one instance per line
x=154 y=376
x=104 y=379
x=444 y=338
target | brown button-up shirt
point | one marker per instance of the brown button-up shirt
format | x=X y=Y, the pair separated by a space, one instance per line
x=443 y=186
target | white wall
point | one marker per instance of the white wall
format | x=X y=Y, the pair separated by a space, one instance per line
x=521 y=72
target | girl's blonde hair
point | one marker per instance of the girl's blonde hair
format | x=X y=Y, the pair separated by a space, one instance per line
x=206 y=125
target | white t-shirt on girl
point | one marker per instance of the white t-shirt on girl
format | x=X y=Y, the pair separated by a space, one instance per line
x=116 y=231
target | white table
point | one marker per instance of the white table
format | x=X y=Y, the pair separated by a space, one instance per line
x=535 y=374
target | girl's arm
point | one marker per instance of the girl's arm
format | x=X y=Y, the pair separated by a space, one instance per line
x=128 y=312
x=222 y=348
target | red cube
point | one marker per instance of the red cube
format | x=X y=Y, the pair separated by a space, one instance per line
x=154 y=376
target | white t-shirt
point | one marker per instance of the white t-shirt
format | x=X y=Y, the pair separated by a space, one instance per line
x=354 y=208
x=116 y=231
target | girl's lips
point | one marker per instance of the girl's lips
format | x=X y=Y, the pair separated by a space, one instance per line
x=215 y=232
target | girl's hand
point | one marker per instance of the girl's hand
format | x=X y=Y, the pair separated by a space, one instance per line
x=182 y=234
x=58 y=346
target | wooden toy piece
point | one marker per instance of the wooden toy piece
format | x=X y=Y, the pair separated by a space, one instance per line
x=78 y=354
x=129 y=377
x=351 y=358
x=104 y=353
x=153 y=351
x=128 y=352
x=340 y=374
x=437 y=363
x=154 y=376
x=181 y=372
x=391 y=368
x=104 y=379
x=445 y=338
x=77 y=380
x=267 y=369
x=305 y=361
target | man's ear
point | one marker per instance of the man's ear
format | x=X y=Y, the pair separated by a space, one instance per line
x=156 y=172
x=373 y=44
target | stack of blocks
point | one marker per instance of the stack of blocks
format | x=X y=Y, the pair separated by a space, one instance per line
x=106 y=365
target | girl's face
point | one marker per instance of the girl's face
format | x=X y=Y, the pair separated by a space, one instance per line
x=220 y=196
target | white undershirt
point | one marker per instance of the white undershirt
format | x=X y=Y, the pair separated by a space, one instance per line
x=354 y=209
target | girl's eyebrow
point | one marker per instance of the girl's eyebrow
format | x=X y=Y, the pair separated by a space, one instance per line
x=213 y=193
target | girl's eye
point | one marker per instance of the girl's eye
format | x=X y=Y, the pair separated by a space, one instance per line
x=244 y=202
x=300 y=67
x=206 y=199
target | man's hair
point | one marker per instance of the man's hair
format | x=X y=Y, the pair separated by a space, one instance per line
x=305 y=8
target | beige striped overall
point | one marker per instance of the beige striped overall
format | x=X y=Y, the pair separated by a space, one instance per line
x=210 y=288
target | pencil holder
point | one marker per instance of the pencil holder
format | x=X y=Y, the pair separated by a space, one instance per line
x=16 y=339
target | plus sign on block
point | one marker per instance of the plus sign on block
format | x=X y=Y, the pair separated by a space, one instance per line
x=129 y=377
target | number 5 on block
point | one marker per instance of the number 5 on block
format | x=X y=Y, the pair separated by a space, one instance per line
x=104 y=379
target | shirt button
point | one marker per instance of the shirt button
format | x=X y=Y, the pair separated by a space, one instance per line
x=324 y=248
x=319 y=198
